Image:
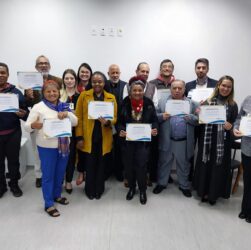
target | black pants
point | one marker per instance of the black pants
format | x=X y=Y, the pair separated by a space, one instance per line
x=114 y=163
x=246 y=201
x=9 y=148
x=135 y=158
x=94 y=182
x=71 y=161
x=197 y=132
x=81 y=161
x=153 y=159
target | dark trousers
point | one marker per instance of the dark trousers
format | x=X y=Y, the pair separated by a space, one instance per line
x=114 y=162
x=135 y=158
x=197 y=132
x=81 y=161
x=94 y=182
x=71 y=161
x=9 y=148
x=153 y=159
x=246 y=201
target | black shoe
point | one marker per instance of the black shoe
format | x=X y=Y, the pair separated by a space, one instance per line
x=212 y=203
x=186 y=192
x=38 y=182
x=170 y=180
x=242 y=215
x=248 y=219
x=130 y=194
x=204 y=199
x=2 y=191
x=142 y=198
x=90 y=196
x=15 y=189
x=158 y=189
x=68 y=190
x=98 y=196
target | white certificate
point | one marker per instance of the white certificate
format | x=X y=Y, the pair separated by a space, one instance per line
x=138 y=132
x=97 y=109
x=163 y=93
x=177 y=107
x=245 y=125
x=57 y=128
x=9 y=102
x=30 y=80
x=200 y=94
x=212 y=114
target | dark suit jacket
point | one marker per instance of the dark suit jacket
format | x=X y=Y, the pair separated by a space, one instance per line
x=119 y=97
x=211 y=83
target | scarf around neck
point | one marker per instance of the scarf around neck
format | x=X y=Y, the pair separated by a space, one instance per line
x=208 y=140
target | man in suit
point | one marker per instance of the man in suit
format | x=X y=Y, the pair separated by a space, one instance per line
x=116 y=87
x=31 y=98
x=202 y=81
x=176 y=140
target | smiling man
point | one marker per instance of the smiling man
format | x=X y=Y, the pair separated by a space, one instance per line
x=176 y=140
x=116 y=87
x=166 y=77
x=33 y=97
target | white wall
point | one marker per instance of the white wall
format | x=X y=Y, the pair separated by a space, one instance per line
x=153 y=30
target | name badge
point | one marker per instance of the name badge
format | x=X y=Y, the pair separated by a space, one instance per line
x=71 y=106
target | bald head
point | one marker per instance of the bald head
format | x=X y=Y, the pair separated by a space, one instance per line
x=178 y=89
x=114 y=73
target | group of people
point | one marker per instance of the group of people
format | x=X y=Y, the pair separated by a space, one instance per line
x=100 y=147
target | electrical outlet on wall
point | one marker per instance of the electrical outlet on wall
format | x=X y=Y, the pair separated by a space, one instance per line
x=120 y=31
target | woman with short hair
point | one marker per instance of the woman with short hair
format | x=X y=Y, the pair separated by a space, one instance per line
x=53 y=152
x=136 y=108
x=94 y=136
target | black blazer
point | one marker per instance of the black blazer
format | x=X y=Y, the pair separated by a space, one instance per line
x=121 y=85
x=211 y=83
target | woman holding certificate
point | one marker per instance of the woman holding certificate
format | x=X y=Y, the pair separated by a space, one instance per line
x=212 y=178
x=69 y=94
x=12 y=109
x=242 y=127
x=96 y=111
x=53 y=120
x=137 y=123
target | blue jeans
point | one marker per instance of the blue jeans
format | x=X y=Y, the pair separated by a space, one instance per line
x=53 y=167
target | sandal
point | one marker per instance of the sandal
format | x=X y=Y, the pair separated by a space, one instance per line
x=62 y=201
x=52 y=211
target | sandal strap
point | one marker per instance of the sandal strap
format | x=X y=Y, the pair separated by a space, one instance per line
x=53 y=213
x=62 y=201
